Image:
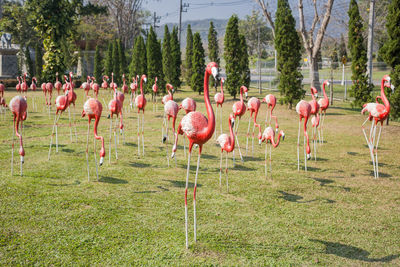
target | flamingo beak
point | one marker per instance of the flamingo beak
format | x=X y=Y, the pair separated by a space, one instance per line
x=22 y=159
x=173 y=155
x=214 y=72
x=316 y=95
x=283 y=136
x=276 y=130
x=120 y=131
x=101 y=161
x=392 y=87
x=145 y=80
x=245 y=94
x=308 y=156
x=327 y=83
x=259 y=141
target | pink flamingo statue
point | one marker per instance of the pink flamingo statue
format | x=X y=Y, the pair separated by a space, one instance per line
x=377 y=113
x=115 y=108
x=189 y=105
x=269 y=135
x=170 y=111
x=219 y=100
x=140 y=102
x=93 y=108
x=18 y=107
x=303 y=108
x=86 y=86
x=271 y=103
x=227 y=143
x=95 y=87
x=155 y=90
x=198 y=130
x=134 y=86
x=33 y=88
x=315 y=118
x=239 y=109
x=323 y=106
x=24 y=85
x=253 y=105
x=18 y=86
x=164 y=100
x=57 y=84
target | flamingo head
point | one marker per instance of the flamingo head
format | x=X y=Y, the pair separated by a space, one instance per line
x=212 y=68
x=386 y=78
x=102 y=155
x=22 y=153
x=34 y=79
x=314 y=91
x=222 y=80
x=264 y=100
x=245 y=90
x=144 y=77
x=232 y=120
x=155 y=80
x=180 y=107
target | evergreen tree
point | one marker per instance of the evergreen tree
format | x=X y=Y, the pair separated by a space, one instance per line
x=116 y=64
x=231 y=56
x=138 y=65
x=38 y=62
x=288 y=47
x=108 y=64
x=244 y=62
x=28 y=62
x=85 y=62
x=176 y=58
x=98 y=66
x=154 y=61
x=391 y=54
x=361 y=89
x=334 y=57
x=198 y=64
x=122 y=57
x=167 y=62
x=342 y=48
x=213 y=50
x=189 y=54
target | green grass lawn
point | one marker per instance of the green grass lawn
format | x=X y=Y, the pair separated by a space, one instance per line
x=334 y=214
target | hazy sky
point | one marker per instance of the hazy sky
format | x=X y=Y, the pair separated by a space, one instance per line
x=199 y=9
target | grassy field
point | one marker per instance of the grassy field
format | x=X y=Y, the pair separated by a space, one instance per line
x=334 y=214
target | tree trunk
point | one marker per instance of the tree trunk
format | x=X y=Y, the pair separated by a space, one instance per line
x=314 y=73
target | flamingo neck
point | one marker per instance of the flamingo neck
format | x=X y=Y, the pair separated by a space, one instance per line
x=383 y=96
x=171 y=97
x=222 y=89
x=323 y=90
x=241 y=94
x=96 y=123
x=210 y=112
x=141 y=85
x=231 y=144
x=277 y=142
x=24 y=78
x=21 y=146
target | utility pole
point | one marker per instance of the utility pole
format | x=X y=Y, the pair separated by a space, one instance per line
x=156 y=19
x=370 y=38
x=182 y=8
x=259 y=62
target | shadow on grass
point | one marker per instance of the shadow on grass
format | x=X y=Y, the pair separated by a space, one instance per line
x=68 y=150
x=322 y=181
x=352 y=153
x=74 y=183
x=251 y=158
x=381 y=174
x=243 y=167
x=181 y=184
x=313 y=169
x=293 y=198
x=139 y=165
x=112 y=180
x=163 y=189
x=130 y=144
x=351 y=252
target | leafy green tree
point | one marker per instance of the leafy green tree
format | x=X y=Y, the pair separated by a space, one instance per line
x=28 y=62
x=154 y=61
x=176 y=58
x=116 y=65
x=213 y=49
x=38 y=62
x=288 y=47
x=198 y=64
x=138 y=65
x=122 y=57
x=342 y=48
x=167 y=62
x=86 y=61
x=361 y=89
x=108 y=64
x=244 y=62
x=189 y=54
x=391 y=54
x=231 y=56
x=98 y=66
x=334 y=57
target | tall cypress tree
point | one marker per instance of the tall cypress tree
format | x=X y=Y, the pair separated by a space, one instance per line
x=213 y=49
x=361 y=89
x=108 y=64
x=342 y=48
x=198 y=64
x=231 y=56
x=138 y=65
x=86 y=61
x=154 y=61
x=98 y=66
x=28 y=62
x=38 y=62
x=167 y=62
x=122 y=57
x=391 y=54
x=244 y=62
x=189 y=54
x=176 y=58
x=116 y=64
x=288 y=47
